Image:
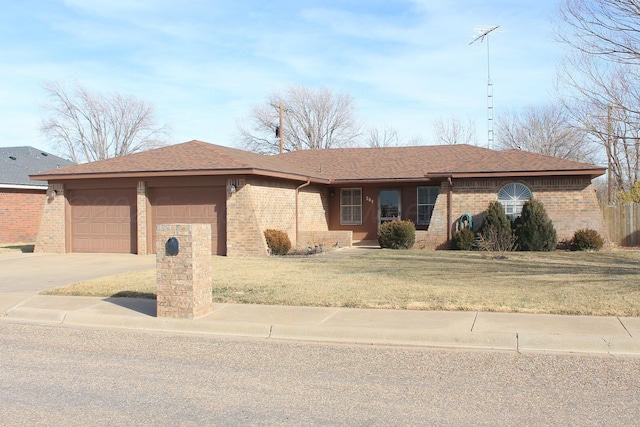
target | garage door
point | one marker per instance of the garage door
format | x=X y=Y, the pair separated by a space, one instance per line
x=192 y=205
x=103 y=220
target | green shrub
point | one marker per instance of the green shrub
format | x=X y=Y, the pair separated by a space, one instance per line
x=586 y=240
x=463 y=239
x=397 y=235
x=277 y=241
x=495 y=233
x=534 y=228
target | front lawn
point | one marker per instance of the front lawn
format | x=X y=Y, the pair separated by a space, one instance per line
x=594 y=283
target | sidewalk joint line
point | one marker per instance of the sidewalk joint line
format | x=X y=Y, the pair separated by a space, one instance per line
x=623 y=326
x=474 y=322
x=329 y=316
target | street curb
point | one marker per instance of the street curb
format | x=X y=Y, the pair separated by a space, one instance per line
x=256 y=330
x=382 y=336
x=36 y=314
x=499 y=341
x=562 y=343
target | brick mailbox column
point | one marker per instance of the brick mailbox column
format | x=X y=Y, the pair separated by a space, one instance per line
x=183 y=270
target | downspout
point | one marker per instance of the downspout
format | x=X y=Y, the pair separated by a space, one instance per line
x=449 y=207
x=297 y=191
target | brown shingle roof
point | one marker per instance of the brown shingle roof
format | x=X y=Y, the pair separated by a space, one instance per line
x=194 y=157
x=417 y=162
x=345 y=164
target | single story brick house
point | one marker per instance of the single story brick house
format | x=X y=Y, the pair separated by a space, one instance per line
x=21 y=199
x=329 y=197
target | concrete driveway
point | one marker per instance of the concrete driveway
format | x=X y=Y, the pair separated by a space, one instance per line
x=35 y=272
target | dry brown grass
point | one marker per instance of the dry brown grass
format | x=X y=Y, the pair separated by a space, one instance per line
x=598 y=283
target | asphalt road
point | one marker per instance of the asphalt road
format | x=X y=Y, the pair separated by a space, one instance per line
x=54 y=375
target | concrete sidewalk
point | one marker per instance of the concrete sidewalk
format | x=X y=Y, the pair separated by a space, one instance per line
x=444 y=329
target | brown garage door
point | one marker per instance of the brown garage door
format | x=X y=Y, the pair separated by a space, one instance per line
x=192 y=205
x=103 y=220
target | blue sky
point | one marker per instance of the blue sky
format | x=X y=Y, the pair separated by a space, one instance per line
x=203 y=64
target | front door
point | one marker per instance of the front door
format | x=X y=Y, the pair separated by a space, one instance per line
x=389 y=206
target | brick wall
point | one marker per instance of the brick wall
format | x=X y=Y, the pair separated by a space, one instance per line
x=244 y=235
x=570 y=202
x=184 y=280
x=328 y=239
x=275 y=206
x=20 y=214
x=313 y=208
x=51 y=237
x=141 y=211
x=258 y=205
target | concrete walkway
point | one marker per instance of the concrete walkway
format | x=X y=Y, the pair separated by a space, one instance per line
x=619 y=336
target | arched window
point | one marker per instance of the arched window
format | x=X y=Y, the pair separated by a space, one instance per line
x=512 y=197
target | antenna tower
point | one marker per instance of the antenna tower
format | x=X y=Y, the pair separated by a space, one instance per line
x=484 y=33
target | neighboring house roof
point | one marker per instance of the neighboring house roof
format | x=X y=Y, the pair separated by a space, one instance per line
x=189 y=158
x=331 y=165
x=17 y=163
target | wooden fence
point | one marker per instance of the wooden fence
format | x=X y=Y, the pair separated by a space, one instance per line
x=623 y=224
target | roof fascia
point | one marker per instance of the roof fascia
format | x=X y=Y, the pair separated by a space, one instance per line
x=591 y=172
x=383 y=180
x=202 y=172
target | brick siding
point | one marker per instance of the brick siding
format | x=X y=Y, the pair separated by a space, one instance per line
x=141 y=211
x=258 y=205
x=184 y=280
x=20 y=214
x=571 y=204
x=51 y=237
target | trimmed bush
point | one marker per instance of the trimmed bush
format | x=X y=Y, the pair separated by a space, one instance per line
x=534 y=229
x=495 y=233
x=463 y=239
x=397 y=235
x=586 y=240
x=277 y=241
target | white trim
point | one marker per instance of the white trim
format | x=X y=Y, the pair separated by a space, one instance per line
x=353 y=206
x=24 y=187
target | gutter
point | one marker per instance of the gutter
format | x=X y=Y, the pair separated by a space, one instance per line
x=24 y=187
x=297 y=192
x=518 y=174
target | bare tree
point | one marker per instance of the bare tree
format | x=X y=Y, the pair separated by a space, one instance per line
x=607 y=29
x=312 y=119
x=455 y=130
x=88 y=126
x=382 y=137
x=545 y=129
x=599 y=80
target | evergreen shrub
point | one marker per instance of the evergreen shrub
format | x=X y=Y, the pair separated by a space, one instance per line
x=463 y=239
x=534 y=229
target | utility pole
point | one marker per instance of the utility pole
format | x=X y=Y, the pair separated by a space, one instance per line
x=608 y=150
x=281 y=130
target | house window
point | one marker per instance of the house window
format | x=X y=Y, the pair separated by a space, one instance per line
x=512 y=197
x=351 y=206
x=426 y=201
